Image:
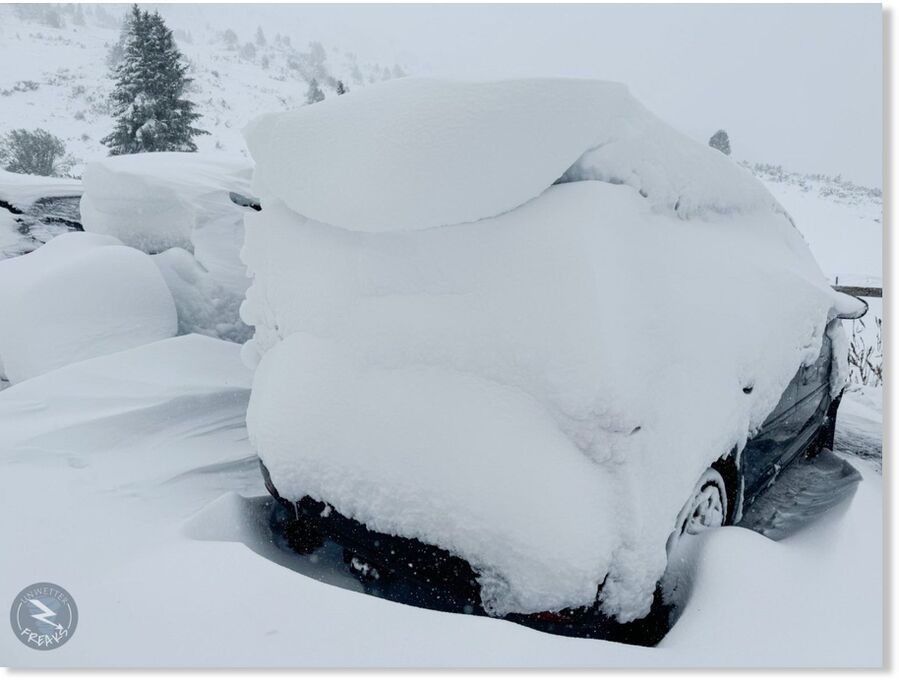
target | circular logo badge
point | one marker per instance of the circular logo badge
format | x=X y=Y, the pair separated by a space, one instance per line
x=44 y=616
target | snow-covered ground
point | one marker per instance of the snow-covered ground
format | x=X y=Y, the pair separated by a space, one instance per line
x=153 y=529
x=60 y=82
x=157 y=499
x=158 y=521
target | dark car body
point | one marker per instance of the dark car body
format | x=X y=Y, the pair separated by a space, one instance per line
x=802 y=423
x=413 y=572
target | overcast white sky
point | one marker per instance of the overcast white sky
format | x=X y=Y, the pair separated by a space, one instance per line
x=798 y=85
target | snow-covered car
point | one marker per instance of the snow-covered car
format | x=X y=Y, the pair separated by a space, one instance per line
x=517 y=338
x=34 y=209
x=409 y=570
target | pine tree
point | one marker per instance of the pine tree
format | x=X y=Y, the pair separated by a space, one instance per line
x=341 y=88
x=231 y=39
x=260 y=37
x=314 y=93
x=721 y=142
x=148 y=101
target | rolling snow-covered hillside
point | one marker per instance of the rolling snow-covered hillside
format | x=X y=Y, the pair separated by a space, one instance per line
x=56 y=74
x=842 y=221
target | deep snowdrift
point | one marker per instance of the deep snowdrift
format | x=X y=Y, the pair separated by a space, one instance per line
x=78 y=296
x=130 y=445
x=417 y=153
x=537 y=391
x=171 y=200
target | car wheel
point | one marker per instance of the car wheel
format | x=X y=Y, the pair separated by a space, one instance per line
x=707 y=507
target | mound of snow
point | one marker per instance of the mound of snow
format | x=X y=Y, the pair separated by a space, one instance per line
x=615 y=338
x=79 y=296
x=173 y=200
x=205 y=305
x=418 y=153
x=170 y=389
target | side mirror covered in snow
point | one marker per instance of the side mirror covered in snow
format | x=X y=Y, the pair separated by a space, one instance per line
x=848 y=307
x=242 y=200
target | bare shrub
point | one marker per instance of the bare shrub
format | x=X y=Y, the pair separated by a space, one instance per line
x=866 y=358
x=35 y=152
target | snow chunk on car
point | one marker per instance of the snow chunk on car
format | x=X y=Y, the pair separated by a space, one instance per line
x=78 y=296
x=418 y=153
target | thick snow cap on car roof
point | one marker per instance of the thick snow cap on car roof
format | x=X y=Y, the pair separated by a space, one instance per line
x=417 y=153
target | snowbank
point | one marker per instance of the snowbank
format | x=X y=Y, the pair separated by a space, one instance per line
x=538 y=391
x=79 y=296
x=130 y=445
x=812 y=600
x=169 y=388
x=204 y=304
x=417 y=153
x=172 y=200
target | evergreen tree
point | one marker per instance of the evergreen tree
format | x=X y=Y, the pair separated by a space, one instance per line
x=314 y=93
x=117 y=52
x=148 y=101
x=341 y=88
x=230 y=38
x=260 y=37
x=721 y=142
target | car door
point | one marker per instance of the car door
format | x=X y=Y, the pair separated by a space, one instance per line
x=812 y=399
x=788 y=428
x=764 y=450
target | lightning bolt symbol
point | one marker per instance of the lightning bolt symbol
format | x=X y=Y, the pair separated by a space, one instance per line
x=45 y=614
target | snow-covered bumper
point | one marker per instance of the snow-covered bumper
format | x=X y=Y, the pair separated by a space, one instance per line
x=424 y=575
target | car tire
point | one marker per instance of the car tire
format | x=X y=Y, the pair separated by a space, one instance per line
x=709 y=506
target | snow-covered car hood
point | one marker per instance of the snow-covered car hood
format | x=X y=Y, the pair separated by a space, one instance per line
x=20 y=191
x=531 y=375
